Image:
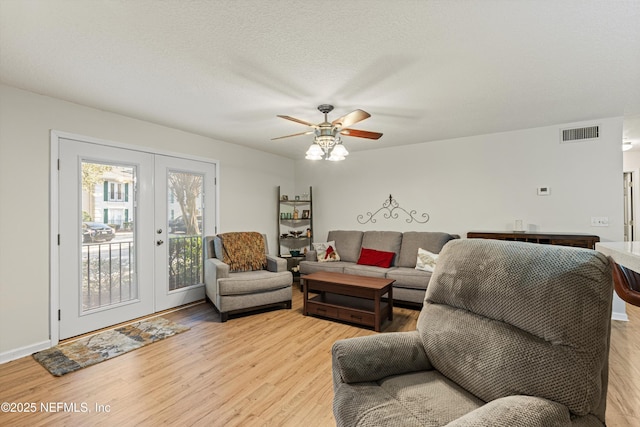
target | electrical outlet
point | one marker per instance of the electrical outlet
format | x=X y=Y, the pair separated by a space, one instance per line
x=599 y=221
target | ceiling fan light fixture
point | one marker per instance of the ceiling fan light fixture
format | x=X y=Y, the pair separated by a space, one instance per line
x=314 y=152
x=339 y=151
x=335 y=158
x=326 y=142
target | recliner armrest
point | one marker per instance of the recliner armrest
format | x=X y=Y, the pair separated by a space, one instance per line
x=276 y=264
x=516 y=411
x=374 y=357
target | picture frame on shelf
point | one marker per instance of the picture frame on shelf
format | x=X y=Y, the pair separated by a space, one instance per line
x=306 y=213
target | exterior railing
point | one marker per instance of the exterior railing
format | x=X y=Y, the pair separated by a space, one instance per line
x=185 y=261
x=109 y=269
x=108 y=274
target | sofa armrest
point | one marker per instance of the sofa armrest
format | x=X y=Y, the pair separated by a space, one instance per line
x=374 y=357
x=516 y=411
x=276 y=264
x=311 y=256
x=215 y=269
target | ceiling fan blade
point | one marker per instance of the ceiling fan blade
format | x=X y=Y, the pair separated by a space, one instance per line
x=293 y=119
x=295 y=134
x=361 y=133
x=351 y=118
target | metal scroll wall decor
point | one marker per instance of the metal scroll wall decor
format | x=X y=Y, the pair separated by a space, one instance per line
x=390 y=209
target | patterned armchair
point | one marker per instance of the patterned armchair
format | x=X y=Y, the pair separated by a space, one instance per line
x=240 y=276
x=510 y=334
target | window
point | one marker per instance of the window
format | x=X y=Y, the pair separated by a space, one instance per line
x=116 y=192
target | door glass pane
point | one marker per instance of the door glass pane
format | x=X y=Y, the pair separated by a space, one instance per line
x=108 y=258
x=184 y=214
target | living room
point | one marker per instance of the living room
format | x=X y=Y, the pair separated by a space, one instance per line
x=468 y=170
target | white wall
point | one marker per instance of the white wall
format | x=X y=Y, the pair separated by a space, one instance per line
x=478 y=183
x=248 y=181
x=475 y=183
x=631 y=161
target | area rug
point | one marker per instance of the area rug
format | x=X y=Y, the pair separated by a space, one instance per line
x=87 y=351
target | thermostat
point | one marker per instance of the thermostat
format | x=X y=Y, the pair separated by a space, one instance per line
x=544 y=191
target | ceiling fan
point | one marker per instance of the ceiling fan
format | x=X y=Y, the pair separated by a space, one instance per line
x=327 y=141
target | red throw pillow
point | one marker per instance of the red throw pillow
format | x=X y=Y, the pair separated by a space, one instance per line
x=376 y=258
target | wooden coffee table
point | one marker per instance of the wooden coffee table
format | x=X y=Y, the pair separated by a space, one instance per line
x=356 y=299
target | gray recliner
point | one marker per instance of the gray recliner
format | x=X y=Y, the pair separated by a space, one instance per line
x=510 y=334
x=238 y=291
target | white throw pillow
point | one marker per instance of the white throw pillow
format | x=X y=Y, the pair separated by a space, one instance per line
x=426 y=260
x=326 y=251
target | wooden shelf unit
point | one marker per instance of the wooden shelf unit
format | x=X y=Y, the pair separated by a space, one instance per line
x=301 y=223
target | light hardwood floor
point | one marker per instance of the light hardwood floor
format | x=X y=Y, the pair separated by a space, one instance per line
x=271 y=368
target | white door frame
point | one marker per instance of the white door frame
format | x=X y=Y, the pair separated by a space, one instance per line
x=635 y=197
x=54 y=249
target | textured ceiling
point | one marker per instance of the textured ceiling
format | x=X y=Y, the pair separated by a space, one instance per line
x=425 y=70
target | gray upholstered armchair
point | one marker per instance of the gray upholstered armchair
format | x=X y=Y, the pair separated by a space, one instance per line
x=511 y=334
x=240 y=275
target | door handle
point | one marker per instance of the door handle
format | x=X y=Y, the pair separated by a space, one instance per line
x=159 y=242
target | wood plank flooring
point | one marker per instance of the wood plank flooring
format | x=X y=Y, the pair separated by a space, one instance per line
x=266 y=369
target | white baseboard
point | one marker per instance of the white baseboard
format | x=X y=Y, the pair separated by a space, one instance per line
x=17 y=353
x=619 y=316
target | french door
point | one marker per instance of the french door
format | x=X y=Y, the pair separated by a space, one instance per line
x=131 y=231
x=184 y=208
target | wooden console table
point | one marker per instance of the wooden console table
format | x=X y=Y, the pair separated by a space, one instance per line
x=577 y=240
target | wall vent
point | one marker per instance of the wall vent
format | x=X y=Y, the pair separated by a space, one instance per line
x=579 y=134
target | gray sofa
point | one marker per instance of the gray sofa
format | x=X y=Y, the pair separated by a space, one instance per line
x=510 y=334
x=410 y=284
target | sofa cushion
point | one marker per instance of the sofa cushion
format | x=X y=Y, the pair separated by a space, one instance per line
x=252 y=282
x=411 y=278
x=326 y=251
x=388 y=241
x=413 y=296
x=426 y=260
x=376 y=258
x=412 y=240
x=348 y=244
x=447 y=401
x=308 y=267
x=366 y=270
x=401 y=401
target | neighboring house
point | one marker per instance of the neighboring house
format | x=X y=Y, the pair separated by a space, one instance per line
x=111 y=201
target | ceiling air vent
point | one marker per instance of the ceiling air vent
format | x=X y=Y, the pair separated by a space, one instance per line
x=579 y=134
